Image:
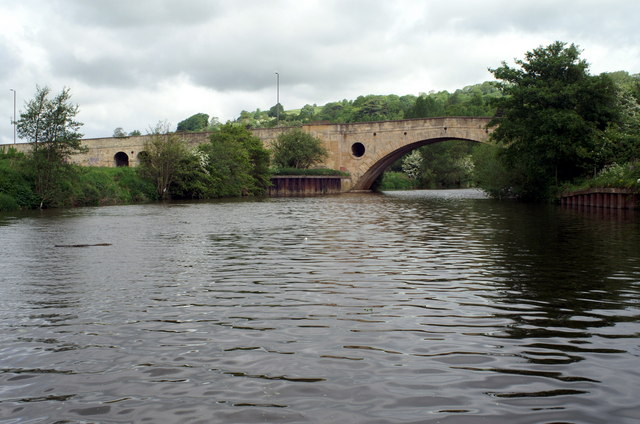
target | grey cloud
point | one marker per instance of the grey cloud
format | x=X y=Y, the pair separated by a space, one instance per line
x=324 y=50
x=584 y=18
x=138 y=13
x=9 y=59
x=240 y=52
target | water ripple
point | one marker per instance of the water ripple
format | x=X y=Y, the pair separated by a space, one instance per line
x=407 y=307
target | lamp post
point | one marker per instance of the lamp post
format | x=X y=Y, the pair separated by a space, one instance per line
x=277 y=97
x=14 y=115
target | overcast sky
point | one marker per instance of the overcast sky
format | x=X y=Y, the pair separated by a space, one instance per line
x=133 y=63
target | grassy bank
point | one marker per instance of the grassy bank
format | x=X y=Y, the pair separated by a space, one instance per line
x=626 y=175
x=81 y=186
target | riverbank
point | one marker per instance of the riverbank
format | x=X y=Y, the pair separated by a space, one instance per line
x=102 y=186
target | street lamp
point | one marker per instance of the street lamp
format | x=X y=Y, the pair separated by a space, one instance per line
x=277 y=97
x=14 y=115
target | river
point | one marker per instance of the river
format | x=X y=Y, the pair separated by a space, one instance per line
x=403 y=307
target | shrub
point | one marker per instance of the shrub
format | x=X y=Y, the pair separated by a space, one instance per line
x=396 y=181
x=8 y=203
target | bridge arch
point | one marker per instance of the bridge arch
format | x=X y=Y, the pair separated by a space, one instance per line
x=369 y=177
x=121 y=159
x=366 y=149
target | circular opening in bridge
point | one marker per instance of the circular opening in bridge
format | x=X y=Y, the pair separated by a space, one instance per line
x=357 y=149
x=121 y=158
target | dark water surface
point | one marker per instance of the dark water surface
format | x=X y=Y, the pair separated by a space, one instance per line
x=408 y=307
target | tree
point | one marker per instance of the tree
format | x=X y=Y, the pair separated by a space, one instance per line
x=411 y=164
x=240 y=138
x=446 y=164
x=51 y=126
x=236 y=162
x=622 y=139
x=297 y=149
x=276 y=111
x=307 y=113
x=553 y=115
x=119 y=133
x=165 y=153
x=426 y=106
x=197 y=122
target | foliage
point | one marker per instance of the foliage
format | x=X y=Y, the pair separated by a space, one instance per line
x=51 y=126
x=16 y=186
x=276 y=111
x=626 y=175
x=552 y=119
x=119 y=133
x=621 y=141
x=395 y=181
x=473 y=100
x=297 y=149
x=490 y=172
x=446 y=164
x=197 y=122
x=98 y=186
x=412 y=164
x=165 y=154
x=8 y=203
x=237 y=162
x=86 y=186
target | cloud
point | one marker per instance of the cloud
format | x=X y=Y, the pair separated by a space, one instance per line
x=132 y=63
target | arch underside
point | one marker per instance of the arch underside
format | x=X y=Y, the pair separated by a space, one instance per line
x=369 y=177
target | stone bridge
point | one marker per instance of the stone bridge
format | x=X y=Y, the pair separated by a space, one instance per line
x=364 y=149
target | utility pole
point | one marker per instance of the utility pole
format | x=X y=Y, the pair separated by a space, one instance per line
x=277 y=98
x=14 y=115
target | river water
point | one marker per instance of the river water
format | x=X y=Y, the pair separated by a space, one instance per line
x=405 y=307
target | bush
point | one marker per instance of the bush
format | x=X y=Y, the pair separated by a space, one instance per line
x=8 y=203
x=490 y=173
x=396 y=181
x=298 y=149
x=110 y=186
x=15 y=182
x=626 y=175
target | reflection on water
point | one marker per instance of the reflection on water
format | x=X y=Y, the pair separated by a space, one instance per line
x=407 y=307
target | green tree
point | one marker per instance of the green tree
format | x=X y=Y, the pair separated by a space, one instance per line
x=197 y=122
x=490 y=171
x=337 y=112
x=51 y=126
x=426 y=106
x=552 y=118
x=229 y=163
x=164 y=158
x=307 y=113
x=119 y=133
x=297 y=149
x=622 y=139
x=276 y=111
x=259 y=157
x=446 y=164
